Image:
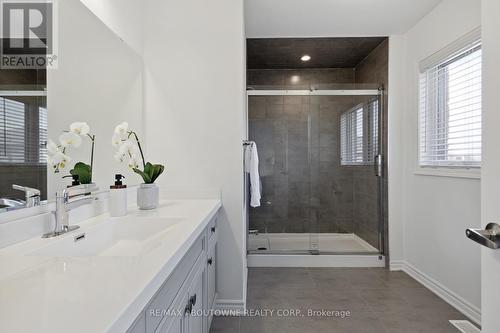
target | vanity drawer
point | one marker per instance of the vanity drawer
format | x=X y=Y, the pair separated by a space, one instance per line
x=139 y=326
x=178 y=320
x=161 y=302
x=212 y=228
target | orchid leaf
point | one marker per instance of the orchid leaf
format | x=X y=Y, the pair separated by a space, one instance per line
x=83 y=171
x=148 y=169
x=151 y=172
x=157 y=171
x=144 y=175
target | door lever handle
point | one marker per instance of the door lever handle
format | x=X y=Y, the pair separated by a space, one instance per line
x=379 y=166
x=489 y=237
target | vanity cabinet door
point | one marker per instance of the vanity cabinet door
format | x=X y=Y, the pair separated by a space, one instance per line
x=187 y=315
x=174 y=327
x=195 y=320
x=139 y=325
x=211 y=272
x=176 y=320
x=212 y=229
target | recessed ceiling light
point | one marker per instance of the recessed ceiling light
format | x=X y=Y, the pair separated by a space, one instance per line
x=305 y=57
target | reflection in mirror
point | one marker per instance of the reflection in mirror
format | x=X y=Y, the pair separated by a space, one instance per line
x=23 y=133
x=98 y=80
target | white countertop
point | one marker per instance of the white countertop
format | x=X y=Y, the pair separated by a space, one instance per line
x=96 y=293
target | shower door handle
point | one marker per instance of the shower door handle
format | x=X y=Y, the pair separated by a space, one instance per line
x=379 y=166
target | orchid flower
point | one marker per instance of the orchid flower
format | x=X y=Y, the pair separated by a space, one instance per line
x=130 y=150
x=116 y=140
x=122 y=129
x=57 y=156
x=59 y=160
x=70 y=139
x=52 y=147
x=79 y=128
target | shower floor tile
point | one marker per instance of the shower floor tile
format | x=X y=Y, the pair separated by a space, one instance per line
x=327 y=242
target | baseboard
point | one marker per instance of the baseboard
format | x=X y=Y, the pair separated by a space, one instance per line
x=236 y=305
x=458 y=302
x=396 y=265
x=281 y=260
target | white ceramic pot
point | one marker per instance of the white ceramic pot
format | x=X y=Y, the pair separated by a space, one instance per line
x=148 y=196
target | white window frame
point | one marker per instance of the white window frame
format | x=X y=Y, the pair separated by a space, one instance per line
x=455 y=48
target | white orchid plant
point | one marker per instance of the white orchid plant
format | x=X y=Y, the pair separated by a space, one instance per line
x=130 y=150
x=72 y=138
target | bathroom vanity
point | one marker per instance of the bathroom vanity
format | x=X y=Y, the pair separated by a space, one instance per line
x=184 y=303
x=150 y=271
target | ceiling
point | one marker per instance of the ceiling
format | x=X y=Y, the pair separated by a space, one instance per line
x=285 y=53
x=333 y=18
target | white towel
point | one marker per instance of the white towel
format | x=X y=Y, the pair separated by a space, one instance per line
x=252 y=167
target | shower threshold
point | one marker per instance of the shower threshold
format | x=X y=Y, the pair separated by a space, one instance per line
x=311 y=250
x=322 y=260
x=306 y=243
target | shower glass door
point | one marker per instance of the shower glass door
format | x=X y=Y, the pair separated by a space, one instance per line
x=280 y=127
x=317 y=154
x=344 y=185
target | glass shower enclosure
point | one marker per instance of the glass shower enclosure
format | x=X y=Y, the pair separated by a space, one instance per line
x=320 y=153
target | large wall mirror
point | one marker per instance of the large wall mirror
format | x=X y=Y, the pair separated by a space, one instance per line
x=98 y=81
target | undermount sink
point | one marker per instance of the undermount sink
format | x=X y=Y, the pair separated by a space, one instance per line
x=122 y=237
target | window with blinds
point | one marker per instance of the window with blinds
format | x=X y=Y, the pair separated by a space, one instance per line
x=359 y=134
x=23 y=132
x=450 y=107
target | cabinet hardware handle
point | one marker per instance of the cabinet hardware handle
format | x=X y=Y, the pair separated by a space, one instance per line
x=188 y=308
x=212 y=229
x=210 y=261
x=192 y=301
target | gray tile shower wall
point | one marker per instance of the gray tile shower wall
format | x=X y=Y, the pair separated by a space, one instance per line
x=300 y=197
x=373 y=69
x=331 y=183
x=299 y=77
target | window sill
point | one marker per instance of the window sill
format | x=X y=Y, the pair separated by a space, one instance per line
x=473 y=173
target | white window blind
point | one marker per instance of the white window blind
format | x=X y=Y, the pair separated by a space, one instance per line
x=43 y=136
x=450 y=107
x=359 y=134
x=23 y=132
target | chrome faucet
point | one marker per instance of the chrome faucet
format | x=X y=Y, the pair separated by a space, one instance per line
x=66 y=200
x=32 y=195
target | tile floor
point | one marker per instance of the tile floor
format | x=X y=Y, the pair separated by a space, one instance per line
x=378 y=301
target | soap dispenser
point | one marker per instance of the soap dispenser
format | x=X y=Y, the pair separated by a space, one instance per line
x=75 y=180
x=118 y=197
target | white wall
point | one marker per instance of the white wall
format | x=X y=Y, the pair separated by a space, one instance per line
x=194 y=111
x=431 y=213
x=490 y=263
x=98 y=80
x=396 y=101
x=124 y=17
